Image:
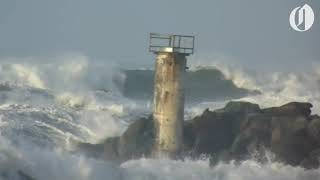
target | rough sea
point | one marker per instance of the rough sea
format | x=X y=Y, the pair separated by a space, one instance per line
x=45 y=107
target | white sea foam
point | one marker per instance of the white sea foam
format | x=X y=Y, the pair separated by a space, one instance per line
x=166 y=169
x=57 y=164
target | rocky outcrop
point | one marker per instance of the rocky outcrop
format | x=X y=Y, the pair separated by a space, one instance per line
x=290 y=109
x=236 y=131
x=215 y=131
x=288 y=131
x=135 y=142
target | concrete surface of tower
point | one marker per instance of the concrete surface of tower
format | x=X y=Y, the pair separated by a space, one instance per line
x=168 y=110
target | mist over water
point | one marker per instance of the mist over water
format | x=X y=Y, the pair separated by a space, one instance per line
x=45 y=107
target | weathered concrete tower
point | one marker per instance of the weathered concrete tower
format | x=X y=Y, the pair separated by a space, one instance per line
x=168 y=113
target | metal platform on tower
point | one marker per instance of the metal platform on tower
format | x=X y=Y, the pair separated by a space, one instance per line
x=171 y=43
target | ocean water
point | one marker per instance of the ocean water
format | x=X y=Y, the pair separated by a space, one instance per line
x=44 y=107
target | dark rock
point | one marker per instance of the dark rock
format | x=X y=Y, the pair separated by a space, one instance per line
x=138 y=140
x=236 y=131
x=108 y=149
x=312 y=161
x=283 y=130
x=189 y=136
x=314 y=129
x=254 y=135
x=241 y=107
x=290 y=109
x=135 y=142
x=24 y=176
x=289 y=139
x=213 y=132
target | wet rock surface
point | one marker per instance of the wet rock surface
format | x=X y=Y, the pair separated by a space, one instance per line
x=234 y=132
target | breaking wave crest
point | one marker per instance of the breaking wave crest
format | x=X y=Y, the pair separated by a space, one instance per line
x=66 y=73
x=276 y=88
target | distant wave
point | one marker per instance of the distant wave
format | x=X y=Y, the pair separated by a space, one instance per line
x=201 y=85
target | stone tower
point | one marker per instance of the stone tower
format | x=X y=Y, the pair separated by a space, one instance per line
x=168 y=109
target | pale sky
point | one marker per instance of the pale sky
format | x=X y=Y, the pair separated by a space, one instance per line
x=254 y=33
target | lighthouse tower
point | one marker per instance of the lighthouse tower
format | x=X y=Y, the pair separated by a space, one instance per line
x=168 y=110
